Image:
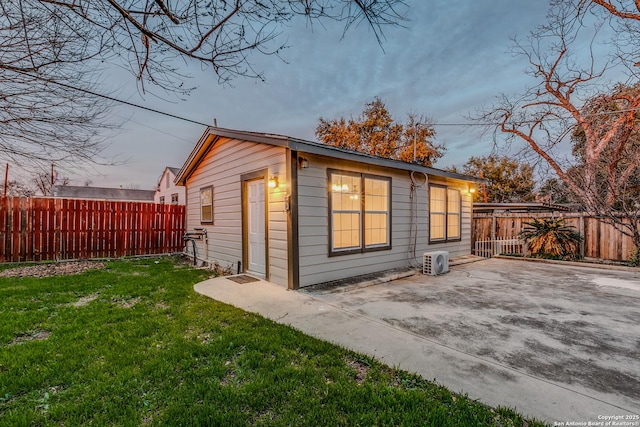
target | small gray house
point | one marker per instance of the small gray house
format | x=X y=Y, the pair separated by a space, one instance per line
x=300 y=213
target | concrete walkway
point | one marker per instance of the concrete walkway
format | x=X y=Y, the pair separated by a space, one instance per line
x=495 y=383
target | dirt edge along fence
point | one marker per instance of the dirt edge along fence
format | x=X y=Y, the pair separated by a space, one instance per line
x=42 y=229
x=601 y=240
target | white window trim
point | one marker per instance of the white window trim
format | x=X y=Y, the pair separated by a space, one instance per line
x=202 y=220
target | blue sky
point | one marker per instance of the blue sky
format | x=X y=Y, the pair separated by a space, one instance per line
x=450 y=58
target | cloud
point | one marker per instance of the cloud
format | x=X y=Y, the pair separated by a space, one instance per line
x=447 y=60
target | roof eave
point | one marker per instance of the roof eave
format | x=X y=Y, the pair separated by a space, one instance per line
x=209 y=138
x=199 y=150
x=212 y=134
x=306 y=147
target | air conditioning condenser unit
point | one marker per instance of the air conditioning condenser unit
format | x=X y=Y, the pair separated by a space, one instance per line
x=434 y=263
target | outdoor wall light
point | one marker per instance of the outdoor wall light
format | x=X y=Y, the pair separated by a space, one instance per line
x=472 y=189
x=273 y=182
x=304 y=163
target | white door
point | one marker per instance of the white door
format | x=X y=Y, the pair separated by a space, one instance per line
x=255 y=222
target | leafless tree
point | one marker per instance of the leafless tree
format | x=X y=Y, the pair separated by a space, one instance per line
x=572 y=95
x=42 y=120
x=44 y=182
x=18 y=189
x=52 y=53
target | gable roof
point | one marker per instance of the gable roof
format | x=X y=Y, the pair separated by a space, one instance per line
x=171 y=169
x=212 y=134
x=101 y=193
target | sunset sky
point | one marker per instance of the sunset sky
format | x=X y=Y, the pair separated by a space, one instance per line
x=450 y=58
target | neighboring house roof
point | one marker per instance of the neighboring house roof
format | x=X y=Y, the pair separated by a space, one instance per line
x=171 y=169
x=211 y=135
x=518 y=207
x=101 y=193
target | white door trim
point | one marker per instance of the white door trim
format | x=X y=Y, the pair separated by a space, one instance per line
x=255 y=230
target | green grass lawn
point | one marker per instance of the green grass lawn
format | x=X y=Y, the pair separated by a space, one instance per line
x=133 y=344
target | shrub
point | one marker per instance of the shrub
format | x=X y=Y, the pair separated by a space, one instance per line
x=552 y=238
x=634 y=258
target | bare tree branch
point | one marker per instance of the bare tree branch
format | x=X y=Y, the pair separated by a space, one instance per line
x=41 y=121
x=44 y=42
x=571 y=107
x=620 y=13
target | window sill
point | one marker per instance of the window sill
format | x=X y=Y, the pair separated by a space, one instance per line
x=435 y=242
x=359 y=251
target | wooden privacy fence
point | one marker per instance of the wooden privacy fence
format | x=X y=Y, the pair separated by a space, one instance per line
x=39 y=229
x=601 y=240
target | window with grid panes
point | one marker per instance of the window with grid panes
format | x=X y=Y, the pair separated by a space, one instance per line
x=444 y=214
x=360 y=212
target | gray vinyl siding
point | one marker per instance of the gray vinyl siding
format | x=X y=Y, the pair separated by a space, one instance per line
x=315 y=264
x=223 y=167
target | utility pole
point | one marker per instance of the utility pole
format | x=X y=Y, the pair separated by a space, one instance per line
x=414 y=148
x=6 y=181
x=484 y=188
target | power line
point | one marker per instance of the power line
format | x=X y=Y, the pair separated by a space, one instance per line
x=153 y=110
x=111 y=98
x=187 y=141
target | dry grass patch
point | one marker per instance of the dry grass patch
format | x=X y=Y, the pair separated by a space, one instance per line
x=52 y=269
x=85 y=300
x=125 y=302
x=361 y=369
x=36 y=335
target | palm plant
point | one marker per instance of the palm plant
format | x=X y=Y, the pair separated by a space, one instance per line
x=551 y=237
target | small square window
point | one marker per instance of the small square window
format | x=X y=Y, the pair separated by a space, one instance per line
x=174 y=199
x=161 y=200
x=206 y=205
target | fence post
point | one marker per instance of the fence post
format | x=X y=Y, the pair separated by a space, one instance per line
x=581 y=230
x=493 y=226
x=4 y=228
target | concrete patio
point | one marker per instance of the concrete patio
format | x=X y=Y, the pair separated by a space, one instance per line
x=559 y=343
